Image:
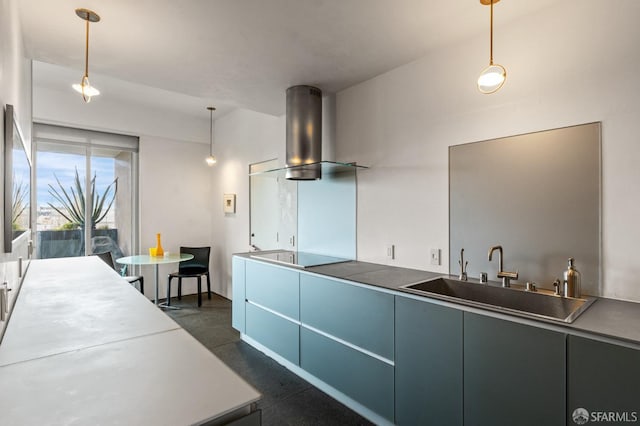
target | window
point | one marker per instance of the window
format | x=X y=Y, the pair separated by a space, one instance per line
x=86 y=192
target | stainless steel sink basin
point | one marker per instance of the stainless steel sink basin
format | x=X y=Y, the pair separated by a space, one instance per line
x=507 y=300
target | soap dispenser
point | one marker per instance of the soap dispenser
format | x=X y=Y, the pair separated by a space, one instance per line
x=572 y=281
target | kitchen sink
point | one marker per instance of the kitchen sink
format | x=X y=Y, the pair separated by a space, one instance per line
x=539 y=305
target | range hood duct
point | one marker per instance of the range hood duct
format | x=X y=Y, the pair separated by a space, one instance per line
x=304 y=132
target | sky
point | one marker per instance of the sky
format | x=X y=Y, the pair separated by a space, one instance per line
x=52 y=164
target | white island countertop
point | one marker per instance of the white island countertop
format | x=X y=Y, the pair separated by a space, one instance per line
x=85 y=347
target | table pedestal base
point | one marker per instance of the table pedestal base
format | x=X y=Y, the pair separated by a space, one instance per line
x=165 y=306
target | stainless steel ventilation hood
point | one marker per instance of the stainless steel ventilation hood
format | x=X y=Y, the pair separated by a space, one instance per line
x=303 y=160
x=304 y=133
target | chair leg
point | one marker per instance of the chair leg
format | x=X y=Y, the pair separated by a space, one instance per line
x=168 y=290
x=142 y=284
x=208 y=286
x=199 y=290
x=179 y=288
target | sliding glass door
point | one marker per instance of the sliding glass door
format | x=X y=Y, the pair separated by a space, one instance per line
x=86 y=192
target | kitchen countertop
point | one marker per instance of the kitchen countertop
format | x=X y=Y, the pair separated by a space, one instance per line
x=83 y=345
x=391 y=277
x=611 y=318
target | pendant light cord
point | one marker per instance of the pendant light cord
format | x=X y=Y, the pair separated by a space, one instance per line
x=211 y=132
x=491 y=36
x=86 y=51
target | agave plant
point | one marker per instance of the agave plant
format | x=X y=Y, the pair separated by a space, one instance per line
x=19 y=203
x=73 y=201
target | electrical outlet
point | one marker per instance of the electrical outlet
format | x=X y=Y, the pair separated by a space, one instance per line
x=435 y=257
x=391 y=251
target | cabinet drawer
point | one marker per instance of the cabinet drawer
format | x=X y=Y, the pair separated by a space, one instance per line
x=276 y=333
x=357 y=315
x=273 y=287
x=359 y=376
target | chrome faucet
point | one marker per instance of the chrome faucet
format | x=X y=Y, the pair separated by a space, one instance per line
x=506 y=276
x=463 y=266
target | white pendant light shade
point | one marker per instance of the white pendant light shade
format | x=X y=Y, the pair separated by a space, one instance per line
x=86 y=89
x=492 y=78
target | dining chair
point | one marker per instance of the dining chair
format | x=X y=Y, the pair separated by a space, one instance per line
x=107 y=257
x=194 y=268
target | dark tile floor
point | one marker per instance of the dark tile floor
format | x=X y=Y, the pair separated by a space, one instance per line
x=286 y=398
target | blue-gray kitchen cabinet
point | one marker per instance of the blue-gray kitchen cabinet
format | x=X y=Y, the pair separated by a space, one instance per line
x=347 y=340
x=603 y=378
x=428 y=363
x=238 y=287
x=514 y=374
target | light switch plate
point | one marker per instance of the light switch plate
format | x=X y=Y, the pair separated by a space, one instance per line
x=391 y=251
x=435 y=257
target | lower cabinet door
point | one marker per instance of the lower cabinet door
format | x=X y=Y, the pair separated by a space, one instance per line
x=604 y=382
x=274 y=332
x=514 y=374
x=361 y=377
x=428 y=363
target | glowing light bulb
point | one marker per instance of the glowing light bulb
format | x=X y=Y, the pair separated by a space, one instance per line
x=211 y=160
x=86 y=89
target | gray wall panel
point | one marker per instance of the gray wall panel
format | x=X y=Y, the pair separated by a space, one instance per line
x=537 y=195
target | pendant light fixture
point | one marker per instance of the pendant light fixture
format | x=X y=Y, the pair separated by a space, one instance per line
x=211 y=159
x=85 y=88
x=492 y=77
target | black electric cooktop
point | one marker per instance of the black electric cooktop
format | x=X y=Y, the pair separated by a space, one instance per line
x=299 y=259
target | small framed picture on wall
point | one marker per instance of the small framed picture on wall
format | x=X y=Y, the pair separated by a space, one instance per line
x=229 y=203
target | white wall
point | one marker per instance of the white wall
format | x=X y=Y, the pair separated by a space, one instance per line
x=15 y=79
x=175 y=201
x=15 y=89
x=65 y=106
x=15 y=69
x=577 y=62
x=241 y=138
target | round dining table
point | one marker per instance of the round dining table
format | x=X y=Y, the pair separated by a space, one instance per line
x=145 y=259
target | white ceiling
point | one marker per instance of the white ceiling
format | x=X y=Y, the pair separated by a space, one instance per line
x=245 y=53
